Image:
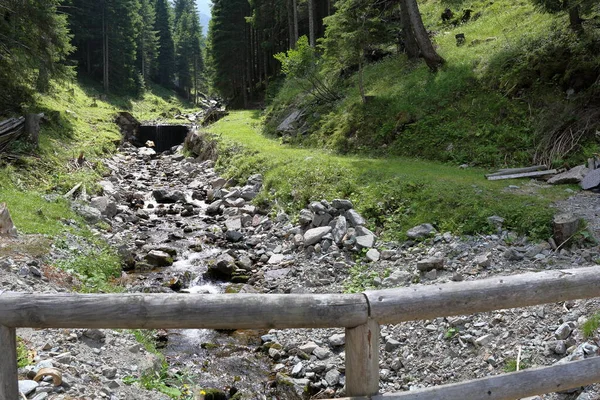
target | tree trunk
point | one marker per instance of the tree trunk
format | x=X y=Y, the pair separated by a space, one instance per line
x=361 y=83
x=290 y=18
x=433 y=60
x=574 y=17
x=408 y=38
x=311 y=22
x=105 y=50
x=295 y=22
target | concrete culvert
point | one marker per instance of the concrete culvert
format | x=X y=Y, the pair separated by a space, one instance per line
x=163 y=136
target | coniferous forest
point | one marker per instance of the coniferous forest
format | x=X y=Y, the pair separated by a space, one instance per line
x=124 y=44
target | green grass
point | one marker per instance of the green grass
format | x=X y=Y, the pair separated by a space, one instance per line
x=393 y=193
x=23 y=357
x=486 y=107
x=590 y=327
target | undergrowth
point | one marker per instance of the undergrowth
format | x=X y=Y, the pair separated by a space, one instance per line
x=392 y=193
x=523 y=88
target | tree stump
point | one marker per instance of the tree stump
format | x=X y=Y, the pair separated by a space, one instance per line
x=565 y=226
x=7 y=228
x=32 y=128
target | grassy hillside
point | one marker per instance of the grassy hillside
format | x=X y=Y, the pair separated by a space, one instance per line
x=394 y=193
x=520 y=84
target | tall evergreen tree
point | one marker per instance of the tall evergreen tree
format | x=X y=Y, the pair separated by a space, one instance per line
x=121 y=24
x=228 y=49
x=187 y=49
x=165 y=62
x=33 y=42
x=147 y=40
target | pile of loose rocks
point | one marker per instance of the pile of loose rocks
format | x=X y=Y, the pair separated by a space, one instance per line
x=181 y=227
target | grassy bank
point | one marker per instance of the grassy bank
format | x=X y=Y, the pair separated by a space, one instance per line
x=393 y=193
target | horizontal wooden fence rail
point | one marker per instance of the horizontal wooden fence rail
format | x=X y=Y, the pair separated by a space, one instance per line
x=182 y=311
x=514 y=385
x=360 y=314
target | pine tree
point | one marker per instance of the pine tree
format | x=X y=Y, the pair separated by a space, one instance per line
x=188 y=52
x=147 y=40
x=165 y=68
x=121 y=24
x=33 y=42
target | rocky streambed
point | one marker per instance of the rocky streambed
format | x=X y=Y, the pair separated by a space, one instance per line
x=182 y=228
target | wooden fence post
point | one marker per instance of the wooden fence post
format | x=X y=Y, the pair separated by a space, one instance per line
x=9 y=381
x=362 y=359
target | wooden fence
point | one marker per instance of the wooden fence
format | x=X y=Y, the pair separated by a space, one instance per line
x=360 y=314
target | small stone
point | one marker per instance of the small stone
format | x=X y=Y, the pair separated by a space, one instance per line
x=274 y=353
x=313 y=236
x=308 y=348
x=27 y=387
x=94 y=334
x=342 y=204
x=391 y=345
x=513 y=255
x=483 y=260
x=495 y=220
x=276 y=259
x=354 y=218
x=109 y=372
x=563 y=331
x=332 y=377
x=338 y=339
x=484 y=340
x=365 y=242
x=297 y=370
x=421 y=231
x=322 y=353
x=159 y=258
x=430 y=263
x=113 y=384
x=372 y=255
x=234 y=236
x=305 y=217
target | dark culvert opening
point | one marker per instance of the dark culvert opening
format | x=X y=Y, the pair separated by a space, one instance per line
x=163 y=136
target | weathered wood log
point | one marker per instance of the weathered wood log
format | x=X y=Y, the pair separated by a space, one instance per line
x=362 y=359
x=511 y=171
x=11 y=124
x=7 y=227
x=393 y=306
x=511 y=386
x=9 y=384
x=181 y=311
x=523 y=175
x=71 y=192
x=564 y=226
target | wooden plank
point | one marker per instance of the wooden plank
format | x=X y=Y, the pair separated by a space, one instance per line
x=415 y=302
x=511 y=386
x=522 y=175
x=362 y=359
x=180 y=311
x=9 y=382
x=510 y=171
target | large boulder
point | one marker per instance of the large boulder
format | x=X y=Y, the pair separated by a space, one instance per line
x=591 y=180
x=290 y=124
x=7 y=228
x=574 y=175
